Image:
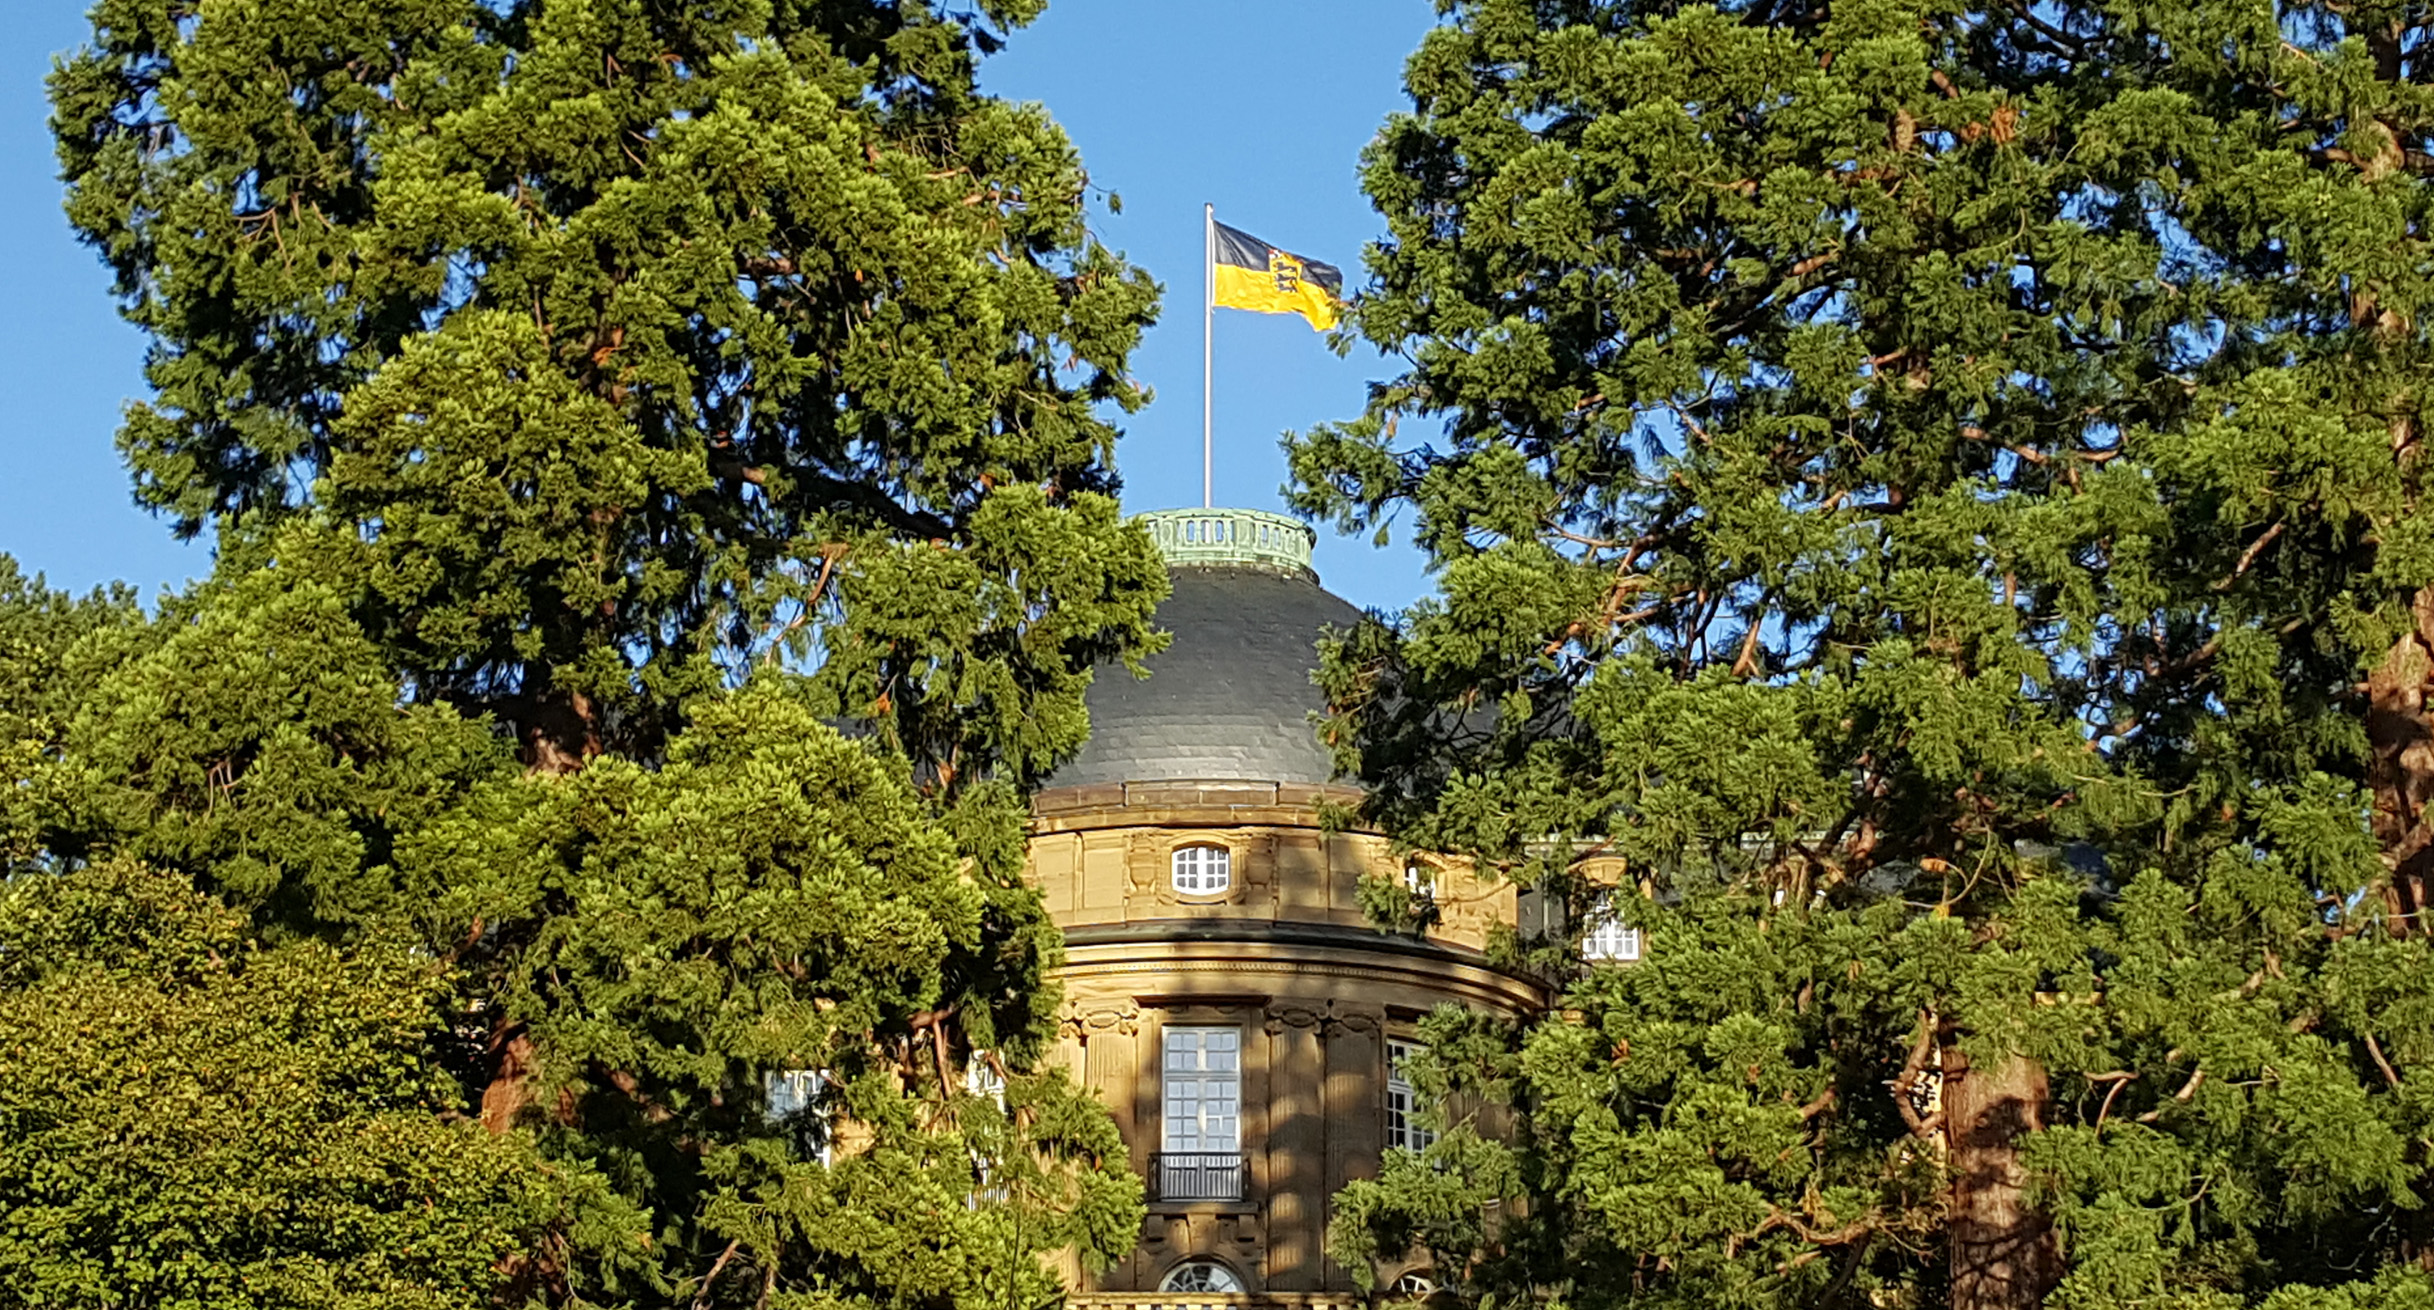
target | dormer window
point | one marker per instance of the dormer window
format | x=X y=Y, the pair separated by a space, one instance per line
x=1203 y=869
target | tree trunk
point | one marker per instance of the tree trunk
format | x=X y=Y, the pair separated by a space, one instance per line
x=2004 y=1256
x=509 y=1090
x=2403 y=772
x=560 y=730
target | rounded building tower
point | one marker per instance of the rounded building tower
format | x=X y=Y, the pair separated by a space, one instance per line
x=1224 y=993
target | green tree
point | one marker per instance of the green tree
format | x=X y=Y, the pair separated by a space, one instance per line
x=46 y=669
x=774 y=897
x=610 y=968
x=643 y=396
x=1925 y=489
x=619 y=347
x=191 y=1118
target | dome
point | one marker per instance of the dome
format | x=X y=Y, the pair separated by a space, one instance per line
x=1230 y=697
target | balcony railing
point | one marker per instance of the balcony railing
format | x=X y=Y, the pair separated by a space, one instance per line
x=1197 y=1176
x=1220 y=1301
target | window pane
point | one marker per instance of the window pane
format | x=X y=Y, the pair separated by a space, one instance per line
x=1203 y=1092
x=1201 y=870
x=1403 y=1128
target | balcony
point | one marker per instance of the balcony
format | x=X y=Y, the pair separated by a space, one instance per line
x=1198 y=1176
x=1220 y=1301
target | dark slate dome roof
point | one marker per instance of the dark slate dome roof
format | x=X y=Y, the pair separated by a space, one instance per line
x=1231 y=696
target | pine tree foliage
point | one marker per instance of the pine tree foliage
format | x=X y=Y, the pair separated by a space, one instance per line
x=1932 y=494
x=256 y=743
x=600 y=407
x=657 y=943
x=623 y=346
x=607 y=968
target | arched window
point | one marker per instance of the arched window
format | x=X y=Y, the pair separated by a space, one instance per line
x=1200 y=870
x=1414 y=1285
x=1200 y=1276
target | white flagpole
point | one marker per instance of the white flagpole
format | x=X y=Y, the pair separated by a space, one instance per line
x=1208 y=354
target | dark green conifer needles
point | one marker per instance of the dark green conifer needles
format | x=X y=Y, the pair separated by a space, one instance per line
x=660 y=461
x=1939 y=492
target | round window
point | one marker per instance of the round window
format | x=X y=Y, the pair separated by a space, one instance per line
x=1200 y=1276
x=1200 y=870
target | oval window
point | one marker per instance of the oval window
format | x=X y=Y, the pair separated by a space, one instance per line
x=1200 y=870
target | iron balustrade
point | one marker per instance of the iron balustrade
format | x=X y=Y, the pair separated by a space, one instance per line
x=1198 y=1176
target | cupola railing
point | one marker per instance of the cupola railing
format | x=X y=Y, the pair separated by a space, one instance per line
x=1250 y=537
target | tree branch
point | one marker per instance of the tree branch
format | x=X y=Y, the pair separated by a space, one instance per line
x=1903 y=1084
x=701 y=1299
x=2249 y=556
x=2390 y=1075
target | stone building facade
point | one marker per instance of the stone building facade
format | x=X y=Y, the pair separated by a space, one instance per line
x=1224 y=993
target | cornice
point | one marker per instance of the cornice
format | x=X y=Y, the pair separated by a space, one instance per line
x=1216 y=954
x=1218 y=802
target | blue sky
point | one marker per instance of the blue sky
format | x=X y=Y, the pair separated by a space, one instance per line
x=1258 y=107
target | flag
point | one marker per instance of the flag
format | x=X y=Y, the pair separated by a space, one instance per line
x=1251 y=274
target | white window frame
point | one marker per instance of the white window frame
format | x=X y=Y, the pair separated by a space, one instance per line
x=981 y=1079
x=1607 y=940
x=1418 y=878
x=789 y=1093
x=1200 y=1119
x=1403 y=1130
x=1201 y=868
x=1200 y=1089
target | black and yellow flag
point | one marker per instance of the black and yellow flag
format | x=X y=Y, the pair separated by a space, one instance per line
x=1251 y=274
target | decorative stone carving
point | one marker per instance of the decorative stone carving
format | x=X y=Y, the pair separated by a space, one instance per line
x=1292 y=1016
x=1146 y=880
x=1361 y=1024
x=1256 y=879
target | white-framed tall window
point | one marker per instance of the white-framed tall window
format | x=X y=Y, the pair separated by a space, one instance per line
x=1203 y=868
x=1418 y=878
x=793 y=1097
x=1203 y=1090
x=1606 y=939
x=981 y=1078
x=1403 y=1130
